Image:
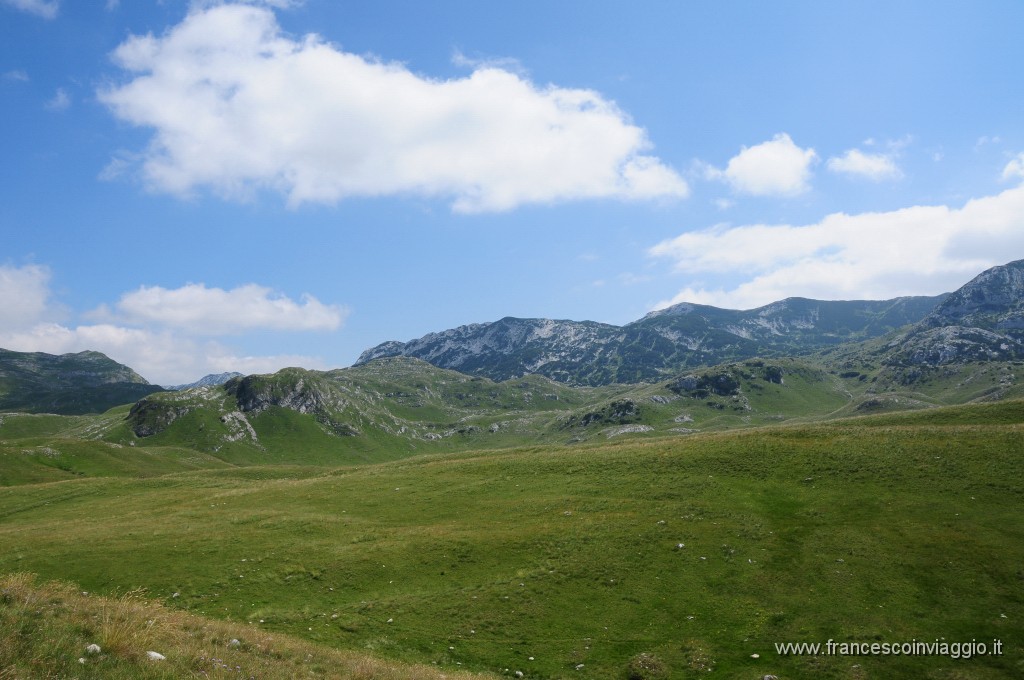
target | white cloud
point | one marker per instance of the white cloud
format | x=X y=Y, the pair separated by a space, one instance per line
x=276 y=4
x=60 y=101
x=159 y=332
x=16 y=76
x=237 y=106
x=872 y=166
x=777 y=167
x=214 y=311
x=43 y=8
x=162 y=358
x=920 y=250
x=1015 y=168
x=24 y=295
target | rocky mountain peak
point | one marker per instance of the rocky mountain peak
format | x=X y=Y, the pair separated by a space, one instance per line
x=993 y=300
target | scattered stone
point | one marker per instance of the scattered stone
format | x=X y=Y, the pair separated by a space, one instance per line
x=627 y=429
x=176 y=595
x=81 y=659
x=234 y=643
x=93 y=649
x=755 y=656
x=155 y=656
x=518 y=674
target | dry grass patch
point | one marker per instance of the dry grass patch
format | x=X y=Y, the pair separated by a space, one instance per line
x=46 y=629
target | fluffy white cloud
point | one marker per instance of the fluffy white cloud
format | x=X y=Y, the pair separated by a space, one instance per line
x=163 y=358
x=238 y=106
x=161 y=332
x=777 y=167
x=24 y=295
x=873 y=166
x=1015 y=168
x=920 y=250
x=214 y=311
x=46 y=9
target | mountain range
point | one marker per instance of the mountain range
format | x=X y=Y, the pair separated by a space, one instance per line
x=983 y=319
x=682 y=350
x=207 y=380
x=657 y=346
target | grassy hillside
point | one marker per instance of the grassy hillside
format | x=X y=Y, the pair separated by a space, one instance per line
x=664 y=557
x=50 y=630
x=395 y=408
x=85 y=382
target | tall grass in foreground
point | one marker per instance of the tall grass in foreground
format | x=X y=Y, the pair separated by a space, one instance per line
x=46 y=629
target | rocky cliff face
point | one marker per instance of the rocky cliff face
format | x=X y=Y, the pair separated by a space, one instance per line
x=295 y=389
x=656 y=346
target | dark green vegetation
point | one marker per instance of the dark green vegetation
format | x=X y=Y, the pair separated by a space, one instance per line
x=883 y=528
x=87 y=382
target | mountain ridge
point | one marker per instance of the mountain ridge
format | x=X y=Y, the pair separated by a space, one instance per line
x=207 y=380
x=658 y=345
x=74 y=383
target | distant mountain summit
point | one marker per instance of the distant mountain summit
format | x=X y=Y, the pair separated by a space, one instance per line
x=982 y=321
x=657 y=346
x=210 y=380
x=86 y=382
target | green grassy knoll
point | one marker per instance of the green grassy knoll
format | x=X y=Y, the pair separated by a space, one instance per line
x=564 y=562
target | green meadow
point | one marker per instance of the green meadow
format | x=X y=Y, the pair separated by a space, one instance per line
x=663 y=557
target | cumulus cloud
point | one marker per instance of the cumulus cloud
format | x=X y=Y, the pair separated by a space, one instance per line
x=777 y=167
x=214 y=311
x=1015 y=168
x=164 y=334
x=237 y=106
x=24 y=295
x=46 y=9
x=872 y=166
x=162 y=357
x=920 y=250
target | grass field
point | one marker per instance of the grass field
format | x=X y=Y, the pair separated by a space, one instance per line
x=667 y=557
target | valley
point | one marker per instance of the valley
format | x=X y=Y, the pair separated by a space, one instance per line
x=429 y=521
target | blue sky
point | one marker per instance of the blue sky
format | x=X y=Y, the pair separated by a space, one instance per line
x=196 y=187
